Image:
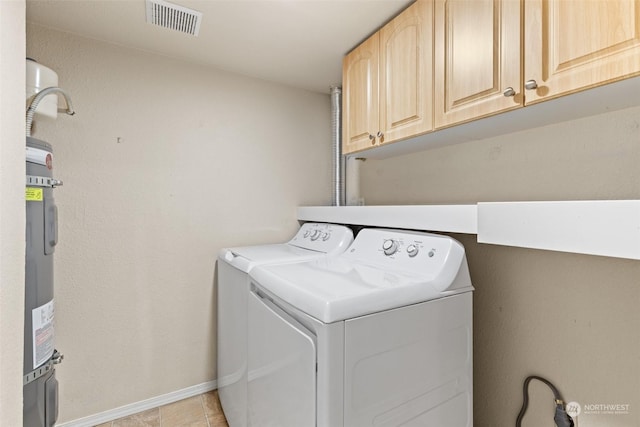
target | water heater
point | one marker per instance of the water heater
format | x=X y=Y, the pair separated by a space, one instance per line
x=40 y=393
x=40 y=387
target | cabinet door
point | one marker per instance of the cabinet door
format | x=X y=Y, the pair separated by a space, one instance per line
x=360 y=96
x=573 y=45
x=406 y=73
x=477 y=57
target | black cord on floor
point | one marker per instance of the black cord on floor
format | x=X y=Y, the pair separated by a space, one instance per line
x=561 y=418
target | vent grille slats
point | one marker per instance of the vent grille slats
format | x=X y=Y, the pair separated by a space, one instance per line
x=173 y=17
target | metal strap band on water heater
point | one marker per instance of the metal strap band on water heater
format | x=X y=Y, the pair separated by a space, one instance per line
x=37 y=373
x=42 y=181
x=56 y=358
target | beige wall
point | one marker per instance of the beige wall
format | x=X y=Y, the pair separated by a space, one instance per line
x=206 y=160
x=204 y=153
x=12 y=214
x=571 y=318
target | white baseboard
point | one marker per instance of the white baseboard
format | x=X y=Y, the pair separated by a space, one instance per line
x=134 y=408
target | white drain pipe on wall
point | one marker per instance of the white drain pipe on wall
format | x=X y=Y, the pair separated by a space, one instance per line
x=353 y=182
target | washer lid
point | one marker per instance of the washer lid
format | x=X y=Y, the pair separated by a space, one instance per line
x=246 y=257
x=351 y=285
x=311 y=241
x=333 y=288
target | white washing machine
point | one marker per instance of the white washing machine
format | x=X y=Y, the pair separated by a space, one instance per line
x=312 y=241
x=380 y=335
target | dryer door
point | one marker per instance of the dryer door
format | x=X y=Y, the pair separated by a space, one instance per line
x=282 y=367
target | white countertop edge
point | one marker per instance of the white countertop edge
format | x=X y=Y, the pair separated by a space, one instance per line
x=445 y=218
x=594 y=227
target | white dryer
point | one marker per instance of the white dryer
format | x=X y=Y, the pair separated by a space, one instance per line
x=380 y=335
x=313 y=240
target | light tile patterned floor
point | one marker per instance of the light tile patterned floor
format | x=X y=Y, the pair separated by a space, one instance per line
x=198 y=411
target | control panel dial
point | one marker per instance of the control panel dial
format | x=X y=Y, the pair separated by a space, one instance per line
x=390 y=247
x=412 y=250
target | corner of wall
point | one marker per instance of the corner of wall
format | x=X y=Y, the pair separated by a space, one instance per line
x=12 y=213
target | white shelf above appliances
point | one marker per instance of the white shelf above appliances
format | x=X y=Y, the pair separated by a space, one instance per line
x=450 y=218
x=595 y=227
x=603 y=227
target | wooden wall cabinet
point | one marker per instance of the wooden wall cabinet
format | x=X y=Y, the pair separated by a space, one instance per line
x=387 y=82
x=574 y=45
x=360 y=96
x=568 y=46
x=487 y=57
x=477 y=59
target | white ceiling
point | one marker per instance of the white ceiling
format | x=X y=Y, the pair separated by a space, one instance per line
x=299 y=43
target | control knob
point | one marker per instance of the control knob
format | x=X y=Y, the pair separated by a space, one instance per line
x=390 y=247
x=412 y=250
x=315 y=235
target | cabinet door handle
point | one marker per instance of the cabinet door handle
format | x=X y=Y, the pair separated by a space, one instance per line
x=530 y=85
x=380 y=134
x=372 y=138
x=508 y=92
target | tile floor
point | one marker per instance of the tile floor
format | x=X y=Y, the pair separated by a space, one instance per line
x=198 y=411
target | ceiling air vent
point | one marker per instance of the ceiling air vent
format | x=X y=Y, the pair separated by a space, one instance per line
x=174 y=17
